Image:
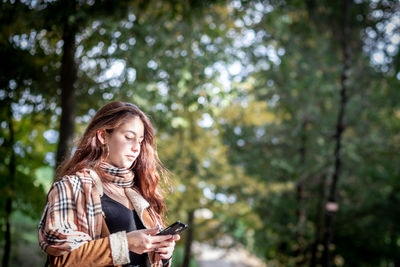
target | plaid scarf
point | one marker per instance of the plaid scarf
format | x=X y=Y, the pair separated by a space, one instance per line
x=119 y=176
x=124 y=178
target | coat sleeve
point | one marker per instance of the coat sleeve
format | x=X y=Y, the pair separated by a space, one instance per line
x=107 y=251
x=67 y=243
x=92 y=253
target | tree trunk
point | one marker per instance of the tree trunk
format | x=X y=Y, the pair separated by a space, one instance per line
x=189 y=240
x=338 y=136
x=67 y=85
x=10 y=191
x=301 y=211
x=319 y=219
x=7 y=235
x=394 y=248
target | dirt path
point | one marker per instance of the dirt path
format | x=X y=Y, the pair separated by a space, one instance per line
x=209 y=256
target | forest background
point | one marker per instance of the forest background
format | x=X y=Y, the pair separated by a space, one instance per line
x=279 y=120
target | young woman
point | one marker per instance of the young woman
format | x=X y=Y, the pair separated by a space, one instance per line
x=106 y=208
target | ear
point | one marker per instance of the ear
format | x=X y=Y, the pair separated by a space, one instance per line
x=101 y=136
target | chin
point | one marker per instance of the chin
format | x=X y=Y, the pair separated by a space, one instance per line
x=124 y=165
x=128 y=165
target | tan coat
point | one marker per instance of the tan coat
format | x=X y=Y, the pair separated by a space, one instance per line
x=94 y=253
x=97 y=253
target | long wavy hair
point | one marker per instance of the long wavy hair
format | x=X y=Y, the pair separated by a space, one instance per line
x=148 y=168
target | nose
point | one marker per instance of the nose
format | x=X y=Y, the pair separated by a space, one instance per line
x=135 y=146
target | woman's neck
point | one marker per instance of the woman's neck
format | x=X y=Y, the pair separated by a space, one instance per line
x=117 y=193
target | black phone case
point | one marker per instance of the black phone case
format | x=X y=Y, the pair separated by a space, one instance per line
x=174 y=229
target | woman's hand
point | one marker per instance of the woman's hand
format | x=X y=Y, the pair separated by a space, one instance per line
x=146 y=240
x=166 y=252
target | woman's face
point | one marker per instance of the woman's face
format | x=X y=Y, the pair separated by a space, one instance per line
x=124 y=143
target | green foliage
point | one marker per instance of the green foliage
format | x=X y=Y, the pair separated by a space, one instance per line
x=178 y=256
x=301 y=90
x=244 y=96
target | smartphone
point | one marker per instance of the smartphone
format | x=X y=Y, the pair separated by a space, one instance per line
x=174 y=229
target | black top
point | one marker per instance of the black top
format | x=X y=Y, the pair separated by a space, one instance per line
x=120 y=218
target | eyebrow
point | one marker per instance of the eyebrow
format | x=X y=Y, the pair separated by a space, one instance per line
x=135 y=133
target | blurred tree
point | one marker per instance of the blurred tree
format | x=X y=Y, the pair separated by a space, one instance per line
x=24 y=107
x=332 y=204
x=155 y=48
x=164 y=52
x=297 y=65
x=245 y=97
x=67 y=19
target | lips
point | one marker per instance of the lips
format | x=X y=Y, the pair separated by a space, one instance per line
x=131 y=157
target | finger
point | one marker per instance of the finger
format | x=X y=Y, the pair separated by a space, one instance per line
x=167 y=244
x=151 y=231
x=165 y=253
x=176 y=237
x=164 y=244
x=160 y=238
x=165 y=256
x=162 y=250
x=154 y=247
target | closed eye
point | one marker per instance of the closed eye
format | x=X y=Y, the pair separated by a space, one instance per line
x=131 y=138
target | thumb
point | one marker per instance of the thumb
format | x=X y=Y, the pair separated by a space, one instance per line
x=151 y=231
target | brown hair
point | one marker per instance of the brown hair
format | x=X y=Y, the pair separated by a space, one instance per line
x=147 y=168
